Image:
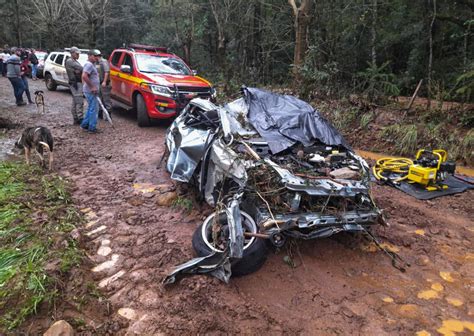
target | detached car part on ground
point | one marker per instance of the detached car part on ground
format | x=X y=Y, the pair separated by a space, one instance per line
x=274 y=169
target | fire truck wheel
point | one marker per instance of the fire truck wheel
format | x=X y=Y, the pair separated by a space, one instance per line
x=142 y=113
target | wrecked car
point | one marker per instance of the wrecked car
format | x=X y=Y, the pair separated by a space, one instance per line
x=274 y=169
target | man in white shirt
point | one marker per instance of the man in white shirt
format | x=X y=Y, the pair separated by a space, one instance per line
x=3 y=62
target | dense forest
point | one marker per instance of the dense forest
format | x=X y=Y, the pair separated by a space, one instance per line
x=323 y=48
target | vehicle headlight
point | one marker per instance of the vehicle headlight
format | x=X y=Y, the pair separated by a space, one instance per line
x=161 y=90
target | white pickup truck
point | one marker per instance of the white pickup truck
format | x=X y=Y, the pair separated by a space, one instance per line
x=54 y=70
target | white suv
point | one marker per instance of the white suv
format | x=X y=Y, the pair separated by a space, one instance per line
x=54 y=70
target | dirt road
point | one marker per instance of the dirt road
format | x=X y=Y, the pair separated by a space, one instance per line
x=339 y=286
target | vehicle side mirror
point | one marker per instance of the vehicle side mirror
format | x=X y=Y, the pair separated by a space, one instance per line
x=195 y=72
x=126 y=69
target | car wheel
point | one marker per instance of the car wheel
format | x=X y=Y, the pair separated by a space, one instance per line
x=255 y=250
x=50 y=83
x=142 y=113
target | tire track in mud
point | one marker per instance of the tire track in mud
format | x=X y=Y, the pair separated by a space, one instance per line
x=340 y=286
x=144 y=244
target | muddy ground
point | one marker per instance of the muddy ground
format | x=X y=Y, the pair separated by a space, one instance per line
x=340 y=286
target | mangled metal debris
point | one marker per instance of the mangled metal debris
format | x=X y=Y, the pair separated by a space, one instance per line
x=216 y=264
x=273 y=168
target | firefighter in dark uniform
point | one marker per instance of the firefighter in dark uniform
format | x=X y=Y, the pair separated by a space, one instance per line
x=104 y=76
x=74 y=72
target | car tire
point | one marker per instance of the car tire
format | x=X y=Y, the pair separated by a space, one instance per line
x=50 y=83
x=142 y=113
x=254 y=254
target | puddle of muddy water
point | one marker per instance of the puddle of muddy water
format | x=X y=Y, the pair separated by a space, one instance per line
x=7 y=145
x=6 y=149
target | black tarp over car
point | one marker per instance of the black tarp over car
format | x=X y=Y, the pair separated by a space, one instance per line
x=283 y=120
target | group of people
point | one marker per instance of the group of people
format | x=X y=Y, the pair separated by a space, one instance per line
x=92 y=81
x=15 y=66
x=27 y=55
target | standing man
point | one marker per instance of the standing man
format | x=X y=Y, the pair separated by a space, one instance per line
x=90 y=78
x=3 y=61
x=105 y=88
x=74 y=74
x=14 y=75
x=24 y=70
x=34 y=64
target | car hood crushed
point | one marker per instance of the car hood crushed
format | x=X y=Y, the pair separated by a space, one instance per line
x=274 y=169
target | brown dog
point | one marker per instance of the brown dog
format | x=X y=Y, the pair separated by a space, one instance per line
x=39 y=101
x=37 y=138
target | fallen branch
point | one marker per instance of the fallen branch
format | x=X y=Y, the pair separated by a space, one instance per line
x=414 y=96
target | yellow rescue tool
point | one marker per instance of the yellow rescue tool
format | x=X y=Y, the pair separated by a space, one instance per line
x=429 y=169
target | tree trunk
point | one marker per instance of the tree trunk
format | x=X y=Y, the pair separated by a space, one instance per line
x=374 y=33
x=189 y=40
x=467 y=32
x=93 y=35
x=302 y=19
x=17 y=23
x=184 y=35
x=221 y=39
x=187 y=52
x=430 y=60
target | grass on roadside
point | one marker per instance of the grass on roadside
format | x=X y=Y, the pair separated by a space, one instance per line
x=402 y=134
x=36 y=215
x=408 y=138
x=183 y=203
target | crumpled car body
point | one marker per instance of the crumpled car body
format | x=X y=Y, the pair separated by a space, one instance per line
x=274 y=169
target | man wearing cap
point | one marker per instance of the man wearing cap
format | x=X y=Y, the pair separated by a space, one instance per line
x=14 y=75
x=90 y=79
x=104 y=90
x=74 y=74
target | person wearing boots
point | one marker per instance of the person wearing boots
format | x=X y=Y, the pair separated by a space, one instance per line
x=104 y=91
x=74 y=74
x=14 y=75
x=24 y=77
x=34 y=64
x=90 y=78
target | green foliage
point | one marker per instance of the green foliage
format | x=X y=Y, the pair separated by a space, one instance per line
x=94 y=291
x=55 y=189
x=377 y=83
x=70 y=257
x=405 y=137
x=465 y=85
x=434 y=116
x=318 y=80
x=343 y=118
x=433 y=135
x=467 y=146
x=467 y=119
x=366 y=119
x=183 y=203
x=391 y=132
x=408 y=139
x=26 y=246
x=252 y=42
